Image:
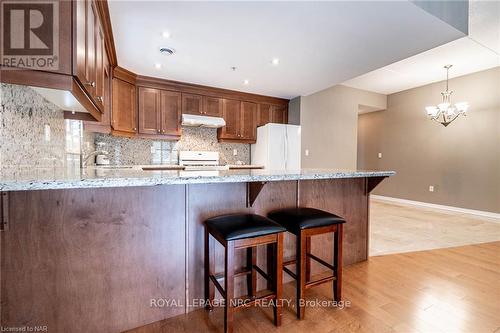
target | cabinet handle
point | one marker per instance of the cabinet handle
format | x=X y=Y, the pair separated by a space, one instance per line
x=91 y=83
x=99 y=98
x=163 y=131
x=158 y=131
x=135 y=128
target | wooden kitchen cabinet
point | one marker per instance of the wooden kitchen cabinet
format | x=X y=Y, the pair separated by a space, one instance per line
x=170 y=116
x=149 y=111
x=192 y=104
x=123 y=115
x=89 y=51
x=212 y=106
x=248 y=121
x=159 y=113
x=241 y=120
x=264 y=114
x=279 y=114
x=231 y=112
x=103 y=126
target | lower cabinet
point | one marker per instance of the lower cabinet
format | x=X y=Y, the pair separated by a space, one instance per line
x=159 y=112
x=123 y=114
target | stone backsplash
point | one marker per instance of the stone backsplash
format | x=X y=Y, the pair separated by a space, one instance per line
x=33 y=133
x=126 y=151
x=32 y=130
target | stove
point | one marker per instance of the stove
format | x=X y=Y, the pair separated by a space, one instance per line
x=201 y=161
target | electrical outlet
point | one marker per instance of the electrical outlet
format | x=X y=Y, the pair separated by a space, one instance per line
x=431 y=188
x=307 y=152
x=235 y=152
x=379 y=155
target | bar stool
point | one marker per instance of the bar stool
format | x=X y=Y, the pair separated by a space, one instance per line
x=304 y=223
x=243 y=231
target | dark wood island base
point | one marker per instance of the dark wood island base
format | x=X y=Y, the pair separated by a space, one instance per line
x=112 y=259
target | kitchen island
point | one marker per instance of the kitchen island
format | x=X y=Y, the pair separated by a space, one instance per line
x=111 y=249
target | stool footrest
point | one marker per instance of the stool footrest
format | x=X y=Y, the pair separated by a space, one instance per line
x=320 y=281
x=321 y=261
x=217 y=285
x=289 y=272
x=247 y=302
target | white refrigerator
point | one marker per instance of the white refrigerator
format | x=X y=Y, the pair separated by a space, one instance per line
x=277 y=147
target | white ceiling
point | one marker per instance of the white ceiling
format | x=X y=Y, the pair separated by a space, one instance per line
x=319 y=44
x=479 y=51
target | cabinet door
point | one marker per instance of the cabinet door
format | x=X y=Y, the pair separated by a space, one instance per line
x=90 y=51
x=231 y=112
x=123 y=107
x=280 y=114
x=192 y=104
x=264 y=114
x=212 y=106
x=149 y=110
x=170 y=102
x=248 y=120
x=100 y=53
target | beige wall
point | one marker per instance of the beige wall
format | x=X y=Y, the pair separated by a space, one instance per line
x=462 y=161
x=329 y=121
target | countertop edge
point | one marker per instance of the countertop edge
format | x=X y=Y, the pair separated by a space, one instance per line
x=156 y=181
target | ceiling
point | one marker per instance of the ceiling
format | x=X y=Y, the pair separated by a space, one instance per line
x=479 y=51
x=319 y=44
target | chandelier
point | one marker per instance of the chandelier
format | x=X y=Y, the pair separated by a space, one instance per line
x=445 y=112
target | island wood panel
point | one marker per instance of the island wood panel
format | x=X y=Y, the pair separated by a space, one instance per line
x=348 y=199
x=91 y=260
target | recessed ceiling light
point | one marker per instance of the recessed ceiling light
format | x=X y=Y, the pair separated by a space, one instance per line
x=158 y=66
x=165 y=34
x=246 y=82
x=275 y=61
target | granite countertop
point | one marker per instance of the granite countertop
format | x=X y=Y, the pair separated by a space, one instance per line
x=122 y=176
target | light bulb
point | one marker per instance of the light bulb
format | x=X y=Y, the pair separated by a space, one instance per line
x=443 y=106
x=431 y=110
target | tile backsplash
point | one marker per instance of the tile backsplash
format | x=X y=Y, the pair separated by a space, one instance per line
x=33 y=133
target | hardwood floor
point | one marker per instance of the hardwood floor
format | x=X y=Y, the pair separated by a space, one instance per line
x=445 y=290
x=398 y=228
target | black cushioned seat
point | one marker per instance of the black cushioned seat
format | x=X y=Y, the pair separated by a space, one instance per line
x=296 y=219
x=239 y=226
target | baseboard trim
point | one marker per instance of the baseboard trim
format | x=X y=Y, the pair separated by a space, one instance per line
x=436 y=206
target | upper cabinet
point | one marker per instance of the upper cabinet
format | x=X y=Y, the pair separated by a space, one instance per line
x=232 y=115
x=212 y=106
x=123 y=115
x=268 y=113
x=90 y=51
x=248 y=123
x=280 y=114
x=241 y=121
x=264 y=114
x=192 y=104
x=159 y=113
x=202 y=105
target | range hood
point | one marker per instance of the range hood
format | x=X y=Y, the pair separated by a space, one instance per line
x=192 y=120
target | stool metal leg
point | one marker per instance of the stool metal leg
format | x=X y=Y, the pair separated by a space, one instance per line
x=278 y=279
x=229 y=286
x=252 y=277
x=301 y=273
x=337 y=263
x=209 y=269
